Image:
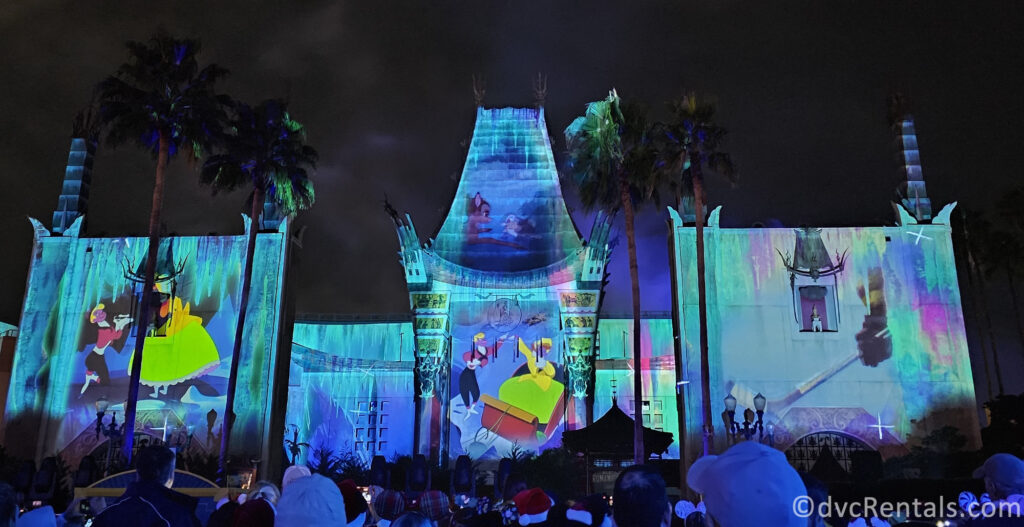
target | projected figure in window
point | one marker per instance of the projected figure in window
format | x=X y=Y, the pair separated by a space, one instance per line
x=95 y=362
x=817 y=308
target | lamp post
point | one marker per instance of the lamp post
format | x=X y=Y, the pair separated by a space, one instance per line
x=751 y=424
x=729 y=416
x=112 y=432
x=760 y=402
x=101 y=405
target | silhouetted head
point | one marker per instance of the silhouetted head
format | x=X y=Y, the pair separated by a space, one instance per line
x=640 y=499
x=155 y=464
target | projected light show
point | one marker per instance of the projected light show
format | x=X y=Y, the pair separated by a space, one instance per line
x=858 y=330
x=505 y=334
x=502 y=264
x=350 y=388
x=80 y=317
x=508 y=213
x=614 y=371
x=507 y=380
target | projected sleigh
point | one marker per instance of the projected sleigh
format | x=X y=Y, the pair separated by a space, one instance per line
x=530 y=404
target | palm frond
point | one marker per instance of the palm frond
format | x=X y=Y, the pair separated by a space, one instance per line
x=691 y=137
x=265 y=149
x=161 y=90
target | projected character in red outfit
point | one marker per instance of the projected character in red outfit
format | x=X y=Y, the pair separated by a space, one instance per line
x=95 y=363
x=475 y=358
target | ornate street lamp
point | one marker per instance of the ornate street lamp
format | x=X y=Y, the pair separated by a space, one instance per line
x=751 y=424
x=112 y=432
x=729 y=416
x=101 y=405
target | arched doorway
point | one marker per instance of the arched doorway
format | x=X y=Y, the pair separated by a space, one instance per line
x=805 y=451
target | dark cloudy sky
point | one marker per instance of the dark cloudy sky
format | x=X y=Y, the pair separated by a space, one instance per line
x=384 y=90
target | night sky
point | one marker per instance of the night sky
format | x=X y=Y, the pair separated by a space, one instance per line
x=384 y=91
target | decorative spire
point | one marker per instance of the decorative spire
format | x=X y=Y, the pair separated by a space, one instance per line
x=540 y=90
x=479 y=90
x=74 y=193
x=390 y=209
x=271 y=217
x=911 y=190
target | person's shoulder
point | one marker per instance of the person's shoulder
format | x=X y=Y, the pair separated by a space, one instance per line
x=177 y=508
x=181 y=500
x=128 y=509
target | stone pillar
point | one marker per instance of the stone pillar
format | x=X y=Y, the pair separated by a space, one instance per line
x=578 y=312
x=432 y=328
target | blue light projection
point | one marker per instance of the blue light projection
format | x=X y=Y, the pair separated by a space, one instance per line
x=79 y=328
x=880 y=341
x=508 y=213
x=350 y=388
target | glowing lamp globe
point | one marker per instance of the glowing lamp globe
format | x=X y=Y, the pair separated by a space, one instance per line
x=760 y=402
x=730 y=403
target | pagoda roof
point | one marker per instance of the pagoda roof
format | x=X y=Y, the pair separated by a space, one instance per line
x=613 y=433
x=508 y=213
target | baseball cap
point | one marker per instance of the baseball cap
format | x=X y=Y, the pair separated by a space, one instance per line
x=749 y=484
x=1005 y=470
x=312 y=501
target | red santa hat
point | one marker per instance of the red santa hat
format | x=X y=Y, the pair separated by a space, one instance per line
x=533 y=506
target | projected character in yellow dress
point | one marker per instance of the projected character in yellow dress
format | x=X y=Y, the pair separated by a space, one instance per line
x=180 y=349
x=542 y=372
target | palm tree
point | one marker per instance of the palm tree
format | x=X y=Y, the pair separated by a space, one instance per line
x=973 y=305
x=611 y=160
x=266 y=151
x=977 y=233
x=687 y=145
x=162 y=101
x=1008 y=252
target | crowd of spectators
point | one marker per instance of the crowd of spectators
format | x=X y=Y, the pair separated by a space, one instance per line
x=749 y=485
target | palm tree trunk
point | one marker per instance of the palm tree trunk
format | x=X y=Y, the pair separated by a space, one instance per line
x=702 y=307
x=991 y=334
x=142 y=324
x=982 y=303
x=1016 y=307
x=639 y=454
x=972 y=303
x=236 y=352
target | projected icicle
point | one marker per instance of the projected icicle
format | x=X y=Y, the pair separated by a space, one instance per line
x=80 y=326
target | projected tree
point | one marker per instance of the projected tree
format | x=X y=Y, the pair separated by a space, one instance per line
x=265 y=151
x=161 y=100
x=688 y=143
x=611 y=159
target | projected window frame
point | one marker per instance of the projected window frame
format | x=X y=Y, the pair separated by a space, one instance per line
x=371 y=430
x=816 y=305
x=653 y=413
